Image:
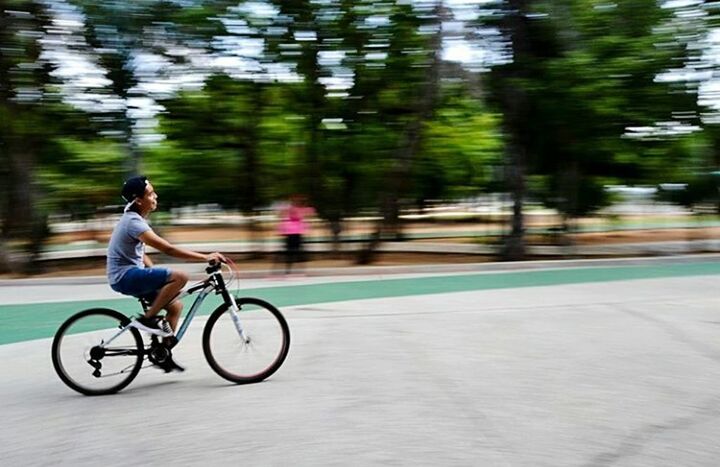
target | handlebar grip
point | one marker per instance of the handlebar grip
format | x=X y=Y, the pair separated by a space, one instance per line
x=213 y=266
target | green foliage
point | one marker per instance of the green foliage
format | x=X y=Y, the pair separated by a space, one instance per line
x=593 y=74
x=78 y=176
x=588 y=197
x=700 y=188
x=586 y=72
x=462 y=148
x=211 y=133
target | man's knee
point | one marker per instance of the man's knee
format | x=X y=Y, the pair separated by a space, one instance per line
x=180 y=278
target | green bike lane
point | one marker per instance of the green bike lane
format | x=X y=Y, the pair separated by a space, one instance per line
x=40 y=320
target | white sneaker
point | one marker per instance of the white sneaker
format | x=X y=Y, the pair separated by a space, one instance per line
x=155 y=325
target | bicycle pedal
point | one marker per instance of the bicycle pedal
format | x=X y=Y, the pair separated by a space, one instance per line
x=170 y=365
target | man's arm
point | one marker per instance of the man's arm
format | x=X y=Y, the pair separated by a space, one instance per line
x=154 y=240
x=147 y=261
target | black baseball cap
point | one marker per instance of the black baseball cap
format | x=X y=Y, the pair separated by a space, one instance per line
x=134 y=188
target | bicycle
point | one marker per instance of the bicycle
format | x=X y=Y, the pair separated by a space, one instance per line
x=245 y=340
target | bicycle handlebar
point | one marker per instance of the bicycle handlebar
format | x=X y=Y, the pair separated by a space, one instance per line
x=213 y=266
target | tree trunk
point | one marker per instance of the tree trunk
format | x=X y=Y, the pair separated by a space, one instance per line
x=514 y=247
x=132 y=154
x=19 y=203
x=514 y=102
x=336 y=227
x=5 y=263
x=716 y=165
x=399 y=174
x=20 y=132
x=249 y=182
x=20 y=217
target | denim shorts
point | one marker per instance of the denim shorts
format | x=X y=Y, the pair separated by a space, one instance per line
x=142 y=282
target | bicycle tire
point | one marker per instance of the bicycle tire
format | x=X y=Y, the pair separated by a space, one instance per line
x=265 y=324
x=90 y=332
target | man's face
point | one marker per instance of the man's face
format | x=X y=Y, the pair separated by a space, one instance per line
x=148 y=202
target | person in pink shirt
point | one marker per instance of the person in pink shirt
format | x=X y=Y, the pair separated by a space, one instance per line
x=292 y=227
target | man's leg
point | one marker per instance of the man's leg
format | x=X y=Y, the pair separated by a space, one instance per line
x=176 y=282
x=173 y=314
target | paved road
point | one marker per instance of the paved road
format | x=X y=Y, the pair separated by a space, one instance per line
x=592 y=373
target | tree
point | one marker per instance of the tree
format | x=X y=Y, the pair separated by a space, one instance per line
x=581 y=77
x=510 y=93
x=122 y=34
x=221 y=145
x=463 y=147
x=23 y=79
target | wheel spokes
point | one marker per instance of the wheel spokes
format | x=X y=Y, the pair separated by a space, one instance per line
x=83 y=361
x=248 y=355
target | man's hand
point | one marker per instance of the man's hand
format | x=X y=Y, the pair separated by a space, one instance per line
x=215 y=258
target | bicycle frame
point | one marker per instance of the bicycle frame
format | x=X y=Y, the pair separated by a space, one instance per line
x=213 y=283
x=205 y=288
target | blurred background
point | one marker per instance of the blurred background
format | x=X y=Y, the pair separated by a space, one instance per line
x=485 y=128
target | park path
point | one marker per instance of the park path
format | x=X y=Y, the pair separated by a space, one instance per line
x=609 y=369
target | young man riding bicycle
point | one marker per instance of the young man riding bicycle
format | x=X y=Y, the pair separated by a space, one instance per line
x=131 y=272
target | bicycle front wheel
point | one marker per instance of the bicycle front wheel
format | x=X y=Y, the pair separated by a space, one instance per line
x=253 y=349
x=88 y=361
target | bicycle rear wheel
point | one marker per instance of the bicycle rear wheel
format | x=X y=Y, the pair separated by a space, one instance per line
x=83 y=361
x=255 y=355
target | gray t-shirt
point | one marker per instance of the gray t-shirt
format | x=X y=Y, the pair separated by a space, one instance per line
x=125 y=250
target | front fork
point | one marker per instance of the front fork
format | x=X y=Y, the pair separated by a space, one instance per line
x=234 y=314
